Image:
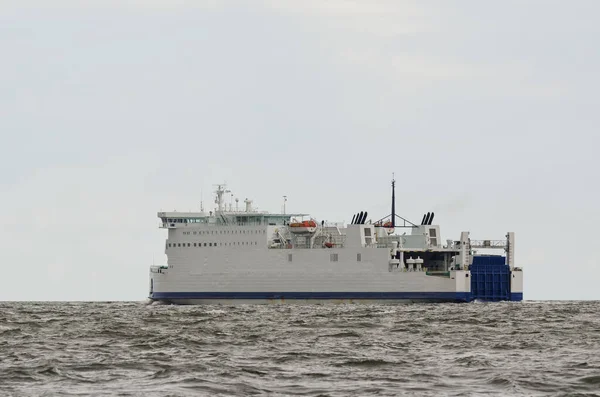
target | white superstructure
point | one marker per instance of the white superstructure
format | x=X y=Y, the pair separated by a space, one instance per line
x=232 y=255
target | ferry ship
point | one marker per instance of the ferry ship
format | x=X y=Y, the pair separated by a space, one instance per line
x=233 y=255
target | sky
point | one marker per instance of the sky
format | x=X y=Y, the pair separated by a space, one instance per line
x=112 y=110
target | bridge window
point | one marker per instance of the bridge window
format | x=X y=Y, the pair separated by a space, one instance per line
x=359 y=257
x=433 y=236
x=333 y=257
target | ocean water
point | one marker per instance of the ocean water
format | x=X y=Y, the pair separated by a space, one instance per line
x=140 y=349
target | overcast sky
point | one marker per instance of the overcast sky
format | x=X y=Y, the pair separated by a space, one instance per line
x=112 y=110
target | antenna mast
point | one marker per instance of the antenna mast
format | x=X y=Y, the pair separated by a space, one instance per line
x=219 y=199
x=393 y=201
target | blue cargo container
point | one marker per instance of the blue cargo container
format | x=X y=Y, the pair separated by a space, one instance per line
x=490 y=278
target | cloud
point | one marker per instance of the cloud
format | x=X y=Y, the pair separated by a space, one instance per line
x=97 y=5
x=408 y=45
x=382 y=18
x=502 y=79
x=75 y=231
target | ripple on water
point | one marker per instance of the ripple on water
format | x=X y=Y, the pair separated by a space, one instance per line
x=429 y=349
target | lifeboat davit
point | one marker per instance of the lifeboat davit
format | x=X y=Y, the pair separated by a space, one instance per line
x=303 y=227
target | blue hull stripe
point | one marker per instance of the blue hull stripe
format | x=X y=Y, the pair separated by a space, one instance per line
x=434 y=296
x=516 y=296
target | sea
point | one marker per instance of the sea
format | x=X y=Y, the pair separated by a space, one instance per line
x=528 y=348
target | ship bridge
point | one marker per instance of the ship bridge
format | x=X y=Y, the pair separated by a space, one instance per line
x=172 y=220
x=225 y=214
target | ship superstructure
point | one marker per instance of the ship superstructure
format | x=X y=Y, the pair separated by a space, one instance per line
x=233 y=255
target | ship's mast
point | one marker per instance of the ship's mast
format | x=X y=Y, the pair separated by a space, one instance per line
x=219 y=199
x=201 y=202
x=393 y=201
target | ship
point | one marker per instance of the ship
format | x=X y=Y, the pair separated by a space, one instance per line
x=242 y=255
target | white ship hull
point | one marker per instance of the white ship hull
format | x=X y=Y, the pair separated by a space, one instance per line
x=269 y=276
x=230 y=257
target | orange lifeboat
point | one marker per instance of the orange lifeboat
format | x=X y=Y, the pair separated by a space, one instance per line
x=388 y=227
x=303 y=227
